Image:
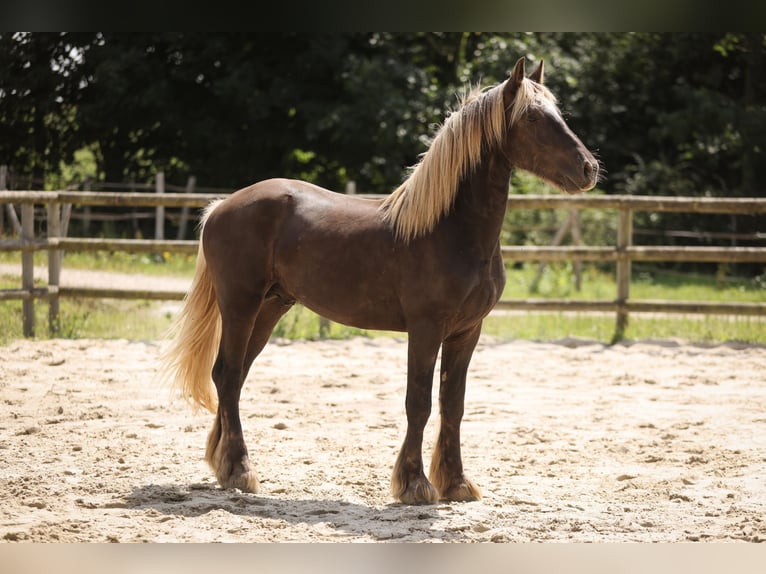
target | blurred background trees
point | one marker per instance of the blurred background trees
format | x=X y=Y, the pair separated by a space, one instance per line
x=667 y=113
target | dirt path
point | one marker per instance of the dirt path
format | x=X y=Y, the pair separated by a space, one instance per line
x=646 y=442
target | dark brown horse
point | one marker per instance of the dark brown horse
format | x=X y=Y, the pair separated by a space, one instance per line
x=425 y=260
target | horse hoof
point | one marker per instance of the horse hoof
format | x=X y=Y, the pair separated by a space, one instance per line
x=419 y=491
x=466 y=491
x=246 y=482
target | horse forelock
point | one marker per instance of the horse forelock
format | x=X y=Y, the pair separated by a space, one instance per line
x=529 y=94
x=429 y=191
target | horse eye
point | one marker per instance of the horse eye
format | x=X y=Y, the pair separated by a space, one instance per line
x=532 y=117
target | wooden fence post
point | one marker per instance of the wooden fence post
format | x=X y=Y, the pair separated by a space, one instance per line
x=54 y=268
x=159 y=221
x=28 y=267
x=134 y=219
x=576 y=240
x=13 y=219
x=182 y=224
x=86 y=210
x=3 y=187
x=624 y=240
x=66 y=215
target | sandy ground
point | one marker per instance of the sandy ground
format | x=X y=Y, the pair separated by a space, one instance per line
x=569 y=442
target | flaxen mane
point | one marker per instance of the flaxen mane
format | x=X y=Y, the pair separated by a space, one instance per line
x=426 y=196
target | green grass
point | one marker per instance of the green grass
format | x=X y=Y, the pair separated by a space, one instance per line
x=97 y=318
x=601 y=327
x=109 y=318
x=557 y=281
x=87 y=318
x=301 y=323
x=149 y=264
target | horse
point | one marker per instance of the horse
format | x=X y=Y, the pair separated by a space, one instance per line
x=424 y=260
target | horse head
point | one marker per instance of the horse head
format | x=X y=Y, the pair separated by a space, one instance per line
x=538 y=140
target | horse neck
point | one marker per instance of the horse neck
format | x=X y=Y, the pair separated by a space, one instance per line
x=481 y=202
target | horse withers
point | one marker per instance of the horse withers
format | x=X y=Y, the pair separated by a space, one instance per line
x=425 y=260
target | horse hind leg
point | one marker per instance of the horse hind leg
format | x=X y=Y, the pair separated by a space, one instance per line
x=226 y=451
x=446 y=471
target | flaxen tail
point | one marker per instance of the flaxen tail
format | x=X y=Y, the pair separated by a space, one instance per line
x=196 y=332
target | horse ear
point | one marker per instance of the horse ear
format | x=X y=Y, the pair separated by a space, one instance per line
x=517 y=75
x=537 y=75
x=513 y=82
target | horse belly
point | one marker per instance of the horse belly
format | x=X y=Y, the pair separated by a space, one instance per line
x=341 y=280
x=346 y=297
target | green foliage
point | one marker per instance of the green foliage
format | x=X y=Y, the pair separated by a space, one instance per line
x=40 y=79
x=82 y=167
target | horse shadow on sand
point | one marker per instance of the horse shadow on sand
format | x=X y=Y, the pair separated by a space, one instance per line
x=338 y=518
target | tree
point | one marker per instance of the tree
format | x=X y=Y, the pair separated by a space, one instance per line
x=667 y=113
x=39 y=87
x=235 y=108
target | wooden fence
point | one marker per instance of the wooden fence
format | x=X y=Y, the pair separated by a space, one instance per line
x=623 y=253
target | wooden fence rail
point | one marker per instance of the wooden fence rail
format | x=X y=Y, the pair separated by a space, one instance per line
x=623 y=253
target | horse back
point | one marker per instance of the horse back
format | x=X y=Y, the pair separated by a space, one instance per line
x=331 y=252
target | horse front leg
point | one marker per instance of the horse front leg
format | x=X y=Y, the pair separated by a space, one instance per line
x=446 y=471
x=408 y=482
